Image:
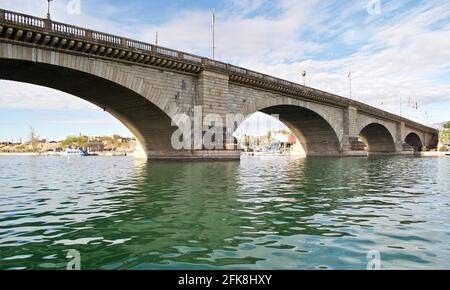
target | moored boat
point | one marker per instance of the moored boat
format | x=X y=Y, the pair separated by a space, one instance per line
x=75 y=152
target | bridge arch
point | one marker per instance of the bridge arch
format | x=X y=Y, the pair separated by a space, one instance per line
x=123 y=91
x=316 y=128
x=414 y=140
x=377 y=138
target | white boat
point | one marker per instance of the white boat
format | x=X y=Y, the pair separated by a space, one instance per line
x=75 y=152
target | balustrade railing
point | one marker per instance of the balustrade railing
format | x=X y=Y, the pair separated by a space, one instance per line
x=22 y=19
x=255 y=74
x=167 y=52
x=270 y=79
x=192 y=58
x=238 y=70
x=139 y=45
x=216 y=64
x=106 y=38
x=68 y=29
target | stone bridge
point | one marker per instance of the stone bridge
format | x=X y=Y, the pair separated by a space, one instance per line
x=146 y=86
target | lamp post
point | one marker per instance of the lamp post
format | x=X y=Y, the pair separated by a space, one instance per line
x=304 y=77
x=350 y=80
x=48 y=8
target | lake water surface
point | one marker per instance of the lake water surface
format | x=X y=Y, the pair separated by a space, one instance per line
x=260 y=213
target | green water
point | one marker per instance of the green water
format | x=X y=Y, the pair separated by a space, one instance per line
x=260 y=213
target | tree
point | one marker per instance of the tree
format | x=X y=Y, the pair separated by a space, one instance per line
x=74 y=141
x=269 y=137
x=444 y=136
x=447 y=125
x=34 y=140
x=246 y=141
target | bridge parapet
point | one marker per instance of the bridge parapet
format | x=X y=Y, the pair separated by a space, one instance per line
x=21 y=19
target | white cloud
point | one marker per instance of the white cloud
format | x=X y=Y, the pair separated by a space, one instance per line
x=83 y=121
x=15 y=95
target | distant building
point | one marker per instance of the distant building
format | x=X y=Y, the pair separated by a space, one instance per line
x=95 y=146
x=284 y=139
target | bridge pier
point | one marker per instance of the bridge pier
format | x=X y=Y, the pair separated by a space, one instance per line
x=351 y=133
x=195 y=155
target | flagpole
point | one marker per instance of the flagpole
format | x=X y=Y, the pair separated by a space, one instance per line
x=214 y=35
x=350 y=79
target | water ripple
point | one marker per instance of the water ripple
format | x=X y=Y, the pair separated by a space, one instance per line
x=261 y=213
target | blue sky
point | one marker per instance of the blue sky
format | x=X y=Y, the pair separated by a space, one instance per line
x=397 y=53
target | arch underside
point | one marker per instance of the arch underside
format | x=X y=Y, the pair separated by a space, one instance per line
x=413 y=140
x=378 y=139
x=315 y=134
x=151 y=126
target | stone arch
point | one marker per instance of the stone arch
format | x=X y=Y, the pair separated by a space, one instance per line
x=317 y=129
x=377 y=138
x=409 y=131
x=333 y=116
x=364 y=120
x=134 y=95
x=414 y=140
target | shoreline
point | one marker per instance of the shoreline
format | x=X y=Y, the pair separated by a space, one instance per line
x=19 y=154
x=50 y=155
x=422 y=154
x=435 y=154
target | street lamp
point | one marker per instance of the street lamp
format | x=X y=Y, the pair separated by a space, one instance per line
x=48 y=8
x=304 y=77
x=350 y=80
